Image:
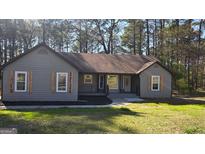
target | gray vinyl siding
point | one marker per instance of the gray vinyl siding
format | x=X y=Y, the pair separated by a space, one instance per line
x=135 y=84
x=88 y=88
x=145 y=82
x=41 y=63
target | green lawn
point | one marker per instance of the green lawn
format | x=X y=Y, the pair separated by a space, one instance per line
x=134 y=118
x=197 y=98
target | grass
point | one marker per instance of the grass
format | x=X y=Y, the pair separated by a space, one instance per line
x=134 y=118
x=196 y=98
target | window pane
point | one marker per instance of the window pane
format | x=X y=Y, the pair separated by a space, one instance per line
x=61 y=88
x=21 y=86
x=88 y=79
x=155 y=86
x=61 y=82
x=155 y=79
x=113 y=81
x=21 y=77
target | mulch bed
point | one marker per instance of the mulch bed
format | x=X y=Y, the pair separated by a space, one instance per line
x=83 y=100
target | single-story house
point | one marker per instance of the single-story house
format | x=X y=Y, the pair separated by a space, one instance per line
x=42 y=74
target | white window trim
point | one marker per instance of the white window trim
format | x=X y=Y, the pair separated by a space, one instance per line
x=16 y=73
x=91 y=82
x=103 y=82
x=117 y=82
x=66 y=82
x=154 y=76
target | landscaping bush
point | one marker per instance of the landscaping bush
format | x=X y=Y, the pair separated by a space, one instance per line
x=182 y=86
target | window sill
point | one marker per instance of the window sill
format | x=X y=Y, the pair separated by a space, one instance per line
x=21 y=91
x=155 y=90
x=61 y=91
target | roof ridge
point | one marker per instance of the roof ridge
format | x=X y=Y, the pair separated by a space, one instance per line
x=150 y=58
x=94 y=53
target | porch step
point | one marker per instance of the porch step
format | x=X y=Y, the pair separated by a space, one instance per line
x=136 y=99
x=121 y=95
x=119 y=98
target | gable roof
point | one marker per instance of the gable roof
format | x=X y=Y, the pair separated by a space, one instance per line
x=100 y=63
x=31 y=50
x=107 y=63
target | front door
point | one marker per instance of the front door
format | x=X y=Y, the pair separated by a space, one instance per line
x=126 y=83
x=113 y=83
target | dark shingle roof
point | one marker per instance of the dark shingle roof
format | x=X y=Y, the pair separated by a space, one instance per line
x=107 y=63
x=100 y=63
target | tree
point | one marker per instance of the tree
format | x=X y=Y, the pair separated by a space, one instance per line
x=105 y=31
x=147 y=32
x=84 y=39
x=133 y=36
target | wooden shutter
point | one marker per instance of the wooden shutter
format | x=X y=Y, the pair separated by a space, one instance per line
x=161 y=82
x=30 y=82
x=28 y=86
x=11 y=81
x=53 y=82
x=70 y=80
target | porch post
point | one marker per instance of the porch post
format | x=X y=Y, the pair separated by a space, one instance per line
x=120 y=83
x=98 y=82
x=105 y=84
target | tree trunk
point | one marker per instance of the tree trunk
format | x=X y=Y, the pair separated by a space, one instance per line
x=86 y=36
x=102 y=41
x=5 y=50
x=198 y=53
x=44 y=31
x=80 y=37
x=153 y=39
x=189 y=59
x=161 y=40
x=134 y=37
x=140 y=39
x=147 y=26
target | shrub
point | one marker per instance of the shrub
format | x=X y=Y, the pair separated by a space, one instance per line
x=193 y=130
x=182 y=85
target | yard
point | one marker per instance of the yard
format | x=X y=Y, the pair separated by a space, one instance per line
x=146 y=117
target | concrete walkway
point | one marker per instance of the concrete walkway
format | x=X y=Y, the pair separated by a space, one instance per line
x=63 y=106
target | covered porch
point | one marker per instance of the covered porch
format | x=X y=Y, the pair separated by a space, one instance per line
x=100 y=84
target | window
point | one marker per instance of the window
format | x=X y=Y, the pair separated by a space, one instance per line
x=61 y=82
x=112 y=81
x=20 y=81
x=101 y=81
x=88 y=79
x=155 y=83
